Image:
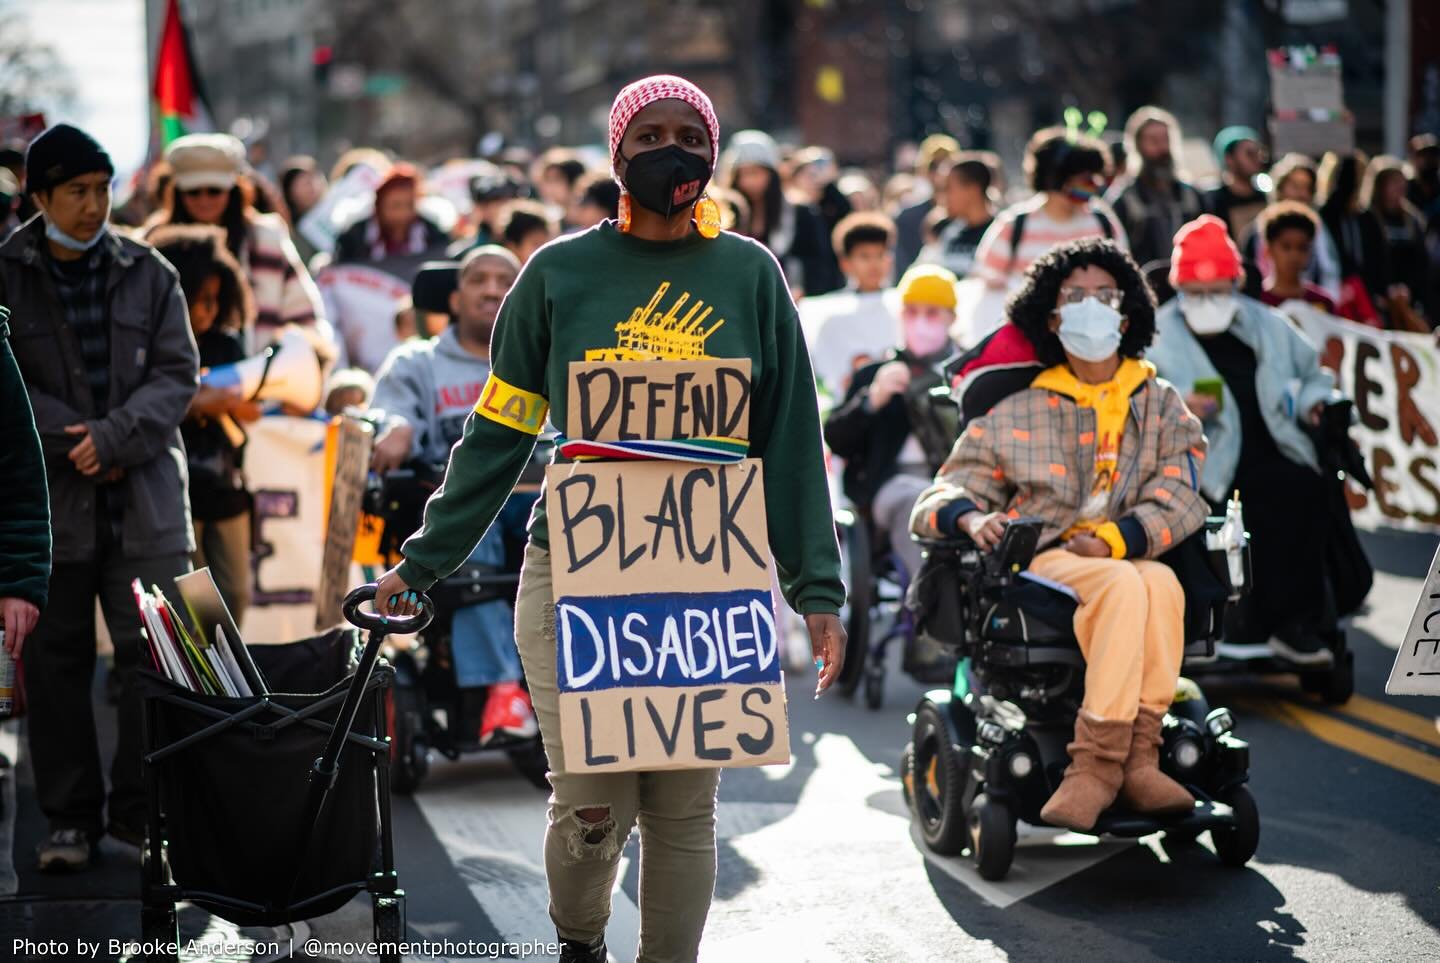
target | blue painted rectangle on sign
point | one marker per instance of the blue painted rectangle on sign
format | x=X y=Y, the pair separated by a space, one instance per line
x=666 y=639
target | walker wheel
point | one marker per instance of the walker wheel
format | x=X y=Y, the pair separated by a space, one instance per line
x=389 y=911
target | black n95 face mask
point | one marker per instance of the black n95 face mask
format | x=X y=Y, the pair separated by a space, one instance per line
x=666 y=180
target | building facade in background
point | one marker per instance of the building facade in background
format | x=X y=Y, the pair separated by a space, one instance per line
x=437 y=78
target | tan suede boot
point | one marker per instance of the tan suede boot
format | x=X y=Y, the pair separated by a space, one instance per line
x=1093 y=778
x=1146 y=789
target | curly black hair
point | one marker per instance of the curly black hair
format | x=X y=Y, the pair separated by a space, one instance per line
x=198 y=252
x=1032 y=306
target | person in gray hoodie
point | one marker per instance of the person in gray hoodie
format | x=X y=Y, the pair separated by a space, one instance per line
x=423 y=394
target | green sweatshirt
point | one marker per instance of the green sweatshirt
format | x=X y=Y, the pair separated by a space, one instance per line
x=25 y=523
x=571 y=298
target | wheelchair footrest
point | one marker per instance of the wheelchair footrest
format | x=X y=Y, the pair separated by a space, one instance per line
x=1205 y=815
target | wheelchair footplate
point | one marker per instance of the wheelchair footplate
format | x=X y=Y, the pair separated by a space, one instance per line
x=1207 y=814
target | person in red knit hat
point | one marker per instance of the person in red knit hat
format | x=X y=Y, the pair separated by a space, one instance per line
x=1256 y=382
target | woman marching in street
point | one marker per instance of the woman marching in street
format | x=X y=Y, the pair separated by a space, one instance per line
x=567 y=302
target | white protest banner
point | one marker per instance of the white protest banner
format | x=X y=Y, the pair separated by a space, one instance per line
x=668 y=652
x=360 y=301
x=285 y=467
x=1394 y=378
x=1417 y=664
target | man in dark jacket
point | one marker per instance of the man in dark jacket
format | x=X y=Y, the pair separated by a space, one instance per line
x=101 y=333
x=25 y=523
x=886 y=466
x=1153 y=201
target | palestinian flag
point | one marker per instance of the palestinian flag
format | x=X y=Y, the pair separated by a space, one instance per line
x=179 y=101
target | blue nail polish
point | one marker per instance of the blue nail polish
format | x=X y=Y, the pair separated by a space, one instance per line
x=820 y=665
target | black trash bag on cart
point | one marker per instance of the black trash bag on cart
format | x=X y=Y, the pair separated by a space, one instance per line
x=234 y=802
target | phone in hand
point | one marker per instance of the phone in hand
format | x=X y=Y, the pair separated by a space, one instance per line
x=1214 y=387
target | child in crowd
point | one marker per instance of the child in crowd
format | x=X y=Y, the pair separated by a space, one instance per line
x=1289 y=229
x=348 y=388
x=220 y=306
x=848 y=329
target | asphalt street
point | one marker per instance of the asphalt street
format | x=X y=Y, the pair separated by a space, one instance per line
x=817 y=860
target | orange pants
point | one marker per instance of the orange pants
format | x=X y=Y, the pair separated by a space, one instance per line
x=1130 y=625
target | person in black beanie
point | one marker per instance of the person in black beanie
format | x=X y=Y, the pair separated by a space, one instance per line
x=101 y=334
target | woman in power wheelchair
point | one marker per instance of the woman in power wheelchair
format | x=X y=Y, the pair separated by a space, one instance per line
x=1096 y=464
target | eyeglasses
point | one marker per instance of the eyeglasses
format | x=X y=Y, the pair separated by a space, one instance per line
x=1206 y=297
x=1114 y=297
x=205 y=191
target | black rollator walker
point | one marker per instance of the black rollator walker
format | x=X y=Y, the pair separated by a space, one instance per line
x=276 y=808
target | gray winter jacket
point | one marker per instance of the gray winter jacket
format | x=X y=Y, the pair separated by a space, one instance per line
x=154 y=369
x=431 y=386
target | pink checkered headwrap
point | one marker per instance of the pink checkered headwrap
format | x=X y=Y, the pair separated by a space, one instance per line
x=635 y=97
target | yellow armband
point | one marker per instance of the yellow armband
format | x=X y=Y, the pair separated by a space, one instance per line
x=512 y=407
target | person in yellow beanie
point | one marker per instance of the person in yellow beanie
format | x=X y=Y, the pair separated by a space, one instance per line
x=886 y=466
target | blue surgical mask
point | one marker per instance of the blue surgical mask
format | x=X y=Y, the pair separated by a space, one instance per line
x=66 y=241
x=1090 y=330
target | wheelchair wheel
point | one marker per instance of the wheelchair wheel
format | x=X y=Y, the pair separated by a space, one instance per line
x=409 y=746
x=907 y=775
x=1334 y=685
x=939 y=784
x=1236 y=844
x=530 y=762
x=874 y=685
x=992 y=837
x=855 y=547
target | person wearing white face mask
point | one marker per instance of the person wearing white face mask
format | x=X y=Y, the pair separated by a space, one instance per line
x=1254 y=378
x=1107 y=457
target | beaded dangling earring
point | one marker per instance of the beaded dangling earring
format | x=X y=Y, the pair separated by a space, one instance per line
x=707 y=217
x=623 y=219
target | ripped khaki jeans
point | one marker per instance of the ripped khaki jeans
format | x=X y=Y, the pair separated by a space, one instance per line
x=591 y=814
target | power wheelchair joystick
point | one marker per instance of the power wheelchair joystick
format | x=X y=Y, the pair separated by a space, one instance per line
x=1016 y=549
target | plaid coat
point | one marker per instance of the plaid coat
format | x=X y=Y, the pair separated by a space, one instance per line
x=1034 y=454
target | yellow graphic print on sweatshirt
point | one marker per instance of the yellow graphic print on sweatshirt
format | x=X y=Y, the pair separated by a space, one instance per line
x=651 y=333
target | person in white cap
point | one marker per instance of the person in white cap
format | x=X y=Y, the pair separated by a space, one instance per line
x=210 y=187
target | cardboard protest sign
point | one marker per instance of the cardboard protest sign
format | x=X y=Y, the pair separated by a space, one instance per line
x=285 y=465
x=1417 y=663
x=667 y=647
x=352 y=467
x=1394 y=378
x=659 y=400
